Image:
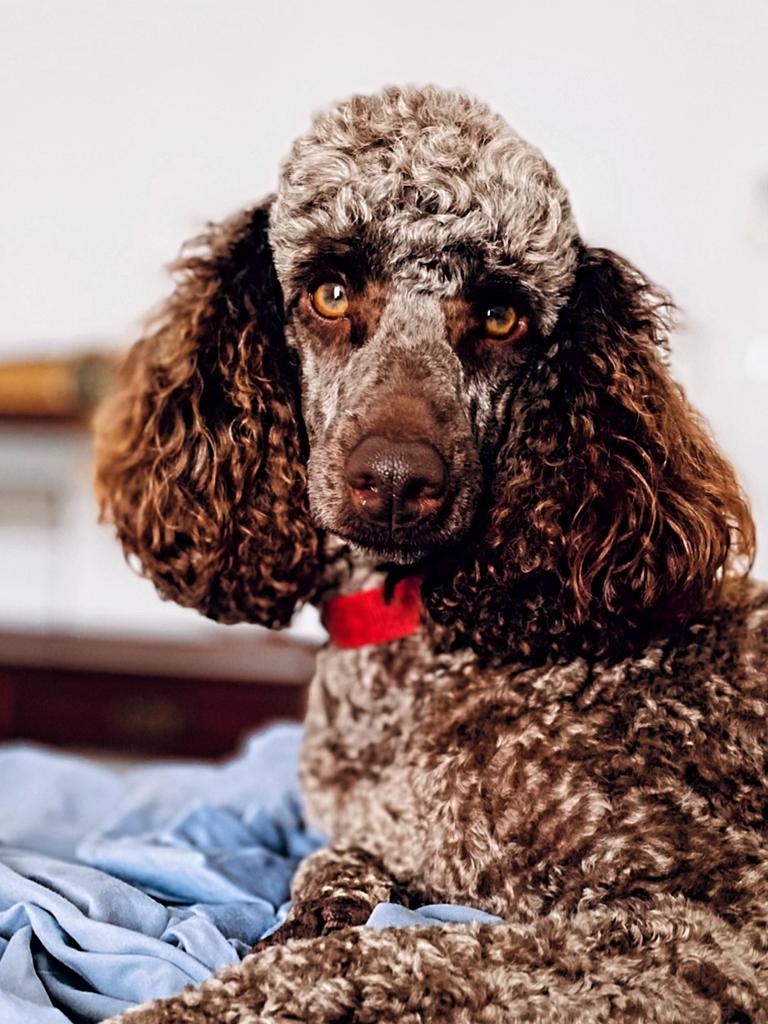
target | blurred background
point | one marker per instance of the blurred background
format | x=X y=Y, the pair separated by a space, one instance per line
x=125 y=126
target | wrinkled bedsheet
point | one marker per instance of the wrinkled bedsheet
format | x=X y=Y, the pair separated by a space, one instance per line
x=117 y=887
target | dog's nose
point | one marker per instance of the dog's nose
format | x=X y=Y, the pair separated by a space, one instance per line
x=396 y=483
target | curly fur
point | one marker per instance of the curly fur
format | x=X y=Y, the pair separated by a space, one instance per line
x=576 y=740
x=612 y=515
x=200 y=458
x=555 y=971
x=438 y=177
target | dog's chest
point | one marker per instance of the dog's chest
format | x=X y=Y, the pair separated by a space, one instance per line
x=525 y=789
x=438 y=767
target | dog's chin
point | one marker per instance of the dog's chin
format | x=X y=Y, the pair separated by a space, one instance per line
x=404 y=546
x=386 y=550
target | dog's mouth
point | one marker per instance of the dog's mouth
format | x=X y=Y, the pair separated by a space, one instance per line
x=403 y=545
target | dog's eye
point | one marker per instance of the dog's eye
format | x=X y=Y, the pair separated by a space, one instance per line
x=330 y=300
x=503 y=323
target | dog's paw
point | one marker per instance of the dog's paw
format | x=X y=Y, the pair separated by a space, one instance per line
x=344 y=912
x=311 y=920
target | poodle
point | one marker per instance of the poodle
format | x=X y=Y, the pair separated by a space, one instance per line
x=405 y=388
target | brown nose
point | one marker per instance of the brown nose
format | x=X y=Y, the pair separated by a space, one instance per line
x=395 y=483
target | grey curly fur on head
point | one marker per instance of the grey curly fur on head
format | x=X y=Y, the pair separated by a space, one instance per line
x=435 y=177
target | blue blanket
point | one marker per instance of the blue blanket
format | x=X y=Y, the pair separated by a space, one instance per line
x=118 y=887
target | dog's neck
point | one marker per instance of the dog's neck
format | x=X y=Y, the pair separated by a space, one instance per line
x=348 y=569
x=364 y=601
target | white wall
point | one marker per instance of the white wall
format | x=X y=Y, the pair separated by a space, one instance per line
x=125 y=125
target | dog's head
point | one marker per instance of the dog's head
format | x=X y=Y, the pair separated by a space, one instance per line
x=411 y=347
x=422 y=247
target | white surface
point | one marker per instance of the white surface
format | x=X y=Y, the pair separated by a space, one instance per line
x=125 y=125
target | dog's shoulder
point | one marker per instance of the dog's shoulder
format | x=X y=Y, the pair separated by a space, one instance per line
x=730 y=643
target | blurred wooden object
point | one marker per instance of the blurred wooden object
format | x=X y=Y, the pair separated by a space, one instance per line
x=142 y=697
x=54 y=389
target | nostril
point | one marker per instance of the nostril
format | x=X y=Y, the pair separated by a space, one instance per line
x=423 y=487
x=419 y=497
x=416 y=491
x=362 y=481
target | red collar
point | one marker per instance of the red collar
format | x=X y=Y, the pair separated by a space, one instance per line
x=367 y=617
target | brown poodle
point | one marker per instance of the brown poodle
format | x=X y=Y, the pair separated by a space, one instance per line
x=404 y=388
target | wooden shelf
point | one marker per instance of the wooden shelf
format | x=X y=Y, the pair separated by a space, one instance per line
x=55 y=390
x=138 y=697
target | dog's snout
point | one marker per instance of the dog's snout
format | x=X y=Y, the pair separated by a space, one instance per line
x=396 y=483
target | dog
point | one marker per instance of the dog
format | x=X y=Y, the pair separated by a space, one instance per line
x=406 y=389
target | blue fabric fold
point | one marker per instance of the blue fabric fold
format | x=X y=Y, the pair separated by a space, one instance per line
x=116 y=887
x=391 y=915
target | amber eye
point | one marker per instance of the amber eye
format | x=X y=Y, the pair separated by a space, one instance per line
x=330 y=300
x=501 y=321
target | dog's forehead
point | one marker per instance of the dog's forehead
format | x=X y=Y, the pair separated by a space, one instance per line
x=438 y=184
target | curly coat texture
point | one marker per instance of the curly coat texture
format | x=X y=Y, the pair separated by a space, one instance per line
x=668 y=962
x=451 y=177
x=199 y=452
x=576 y=739
x=612 y=512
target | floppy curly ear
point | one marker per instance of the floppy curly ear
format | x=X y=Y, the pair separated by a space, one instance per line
x=613 y=515
x=200 y=452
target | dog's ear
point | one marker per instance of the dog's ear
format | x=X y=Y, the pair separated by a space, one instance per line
x=613 y=515
x=201 y=450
